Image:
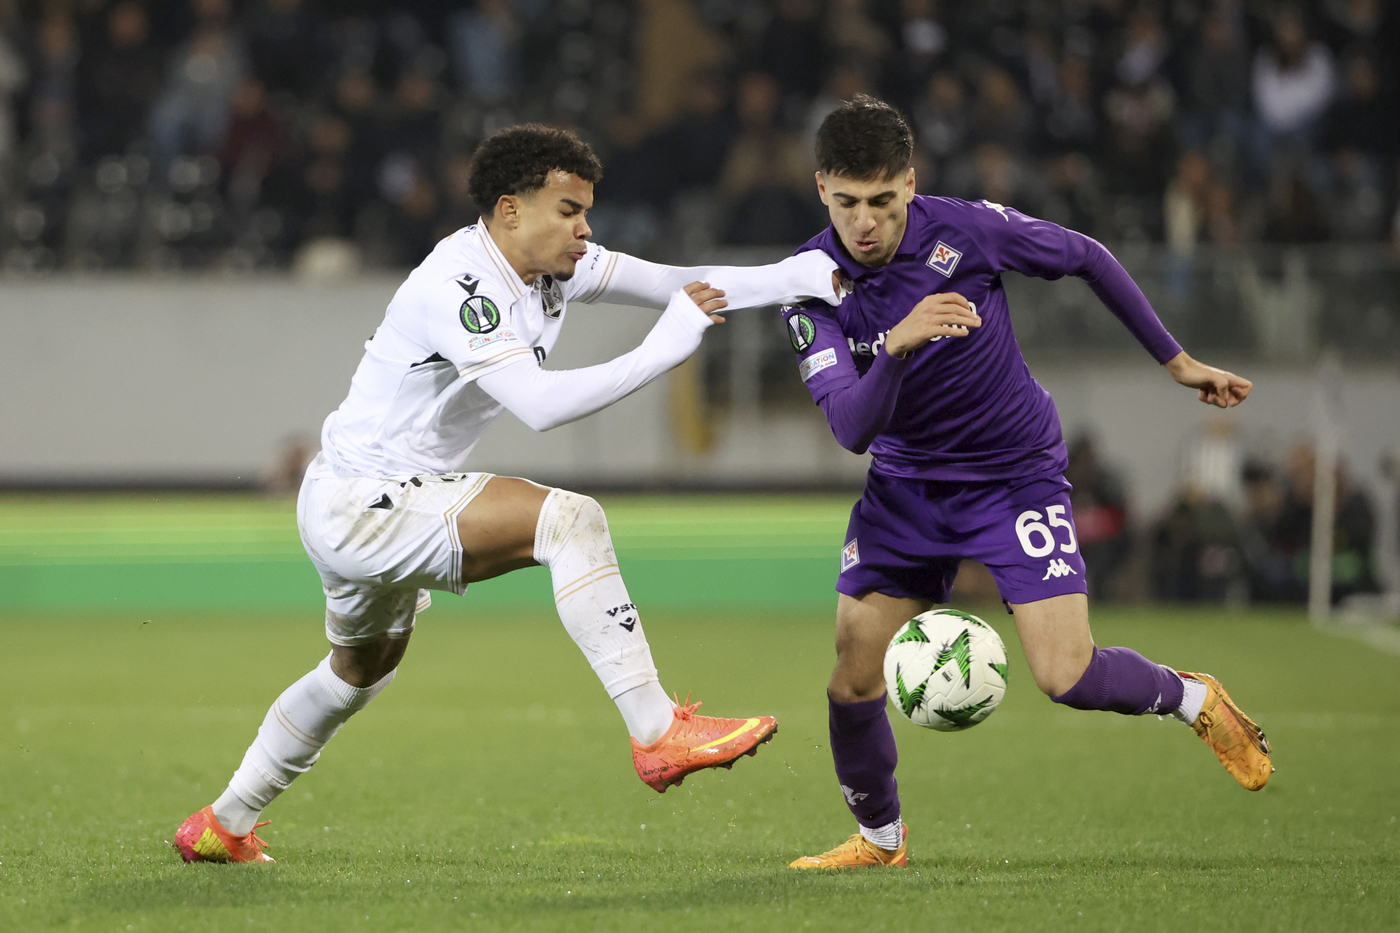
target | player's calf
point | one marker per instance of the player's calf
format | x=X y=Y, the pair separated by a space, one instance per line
x=300 y=723
x=1120 y=680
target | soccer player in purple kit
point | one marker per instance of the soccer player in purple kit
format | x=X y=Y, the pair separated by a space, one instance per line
x=919 y=366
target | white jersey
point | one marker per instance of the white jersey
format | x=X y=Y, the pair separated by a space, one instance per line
x=415 y=406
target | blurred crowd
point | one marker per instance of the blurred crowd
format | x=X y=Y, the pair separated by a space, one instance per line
x=246 y=134
x=1238 y=530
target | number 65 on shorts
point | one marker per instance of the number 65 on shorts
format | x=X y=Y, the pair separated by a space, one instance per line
x=907 y=536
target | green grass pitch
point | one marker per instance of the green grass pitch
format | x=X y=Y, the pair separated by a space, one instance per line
x=490 y=788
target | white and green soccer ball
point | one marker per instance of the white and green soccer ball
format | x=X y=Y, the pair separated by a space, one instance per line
x=946 y=670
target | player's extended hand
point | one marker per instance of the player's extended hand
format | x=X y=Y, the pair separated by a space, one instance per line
x=710 y=300
x=1217 y=387
x=945 y=315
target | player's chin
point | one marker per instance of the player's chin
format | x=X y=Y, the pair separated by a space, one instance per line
x=566 y=267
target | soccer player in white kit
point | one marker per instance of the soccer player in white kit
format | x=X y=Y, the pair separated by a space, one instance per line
x=386 y=513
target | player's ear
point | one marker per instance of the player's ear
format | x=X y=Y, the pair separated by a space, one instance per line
x=821 y=188
x=909 y=185
x=508 y=210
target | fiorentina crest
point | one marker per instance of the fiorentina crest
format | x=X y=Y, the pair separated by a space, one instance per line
x=944 y=259
x=850 y=555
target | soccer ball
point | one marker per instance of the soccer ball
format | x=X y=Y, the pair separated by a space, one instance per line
x=946 y=670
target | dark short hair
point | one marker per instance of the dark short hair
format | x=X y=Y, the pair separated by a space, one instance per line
x=518 y=160
x=864 y=138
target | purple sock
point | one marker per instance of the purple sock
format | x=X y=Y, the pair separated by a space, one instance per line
x=1122 y=681
x=862 y=743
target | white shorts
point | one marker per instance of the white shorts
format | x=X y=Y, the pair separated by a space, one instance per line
x=381 y=545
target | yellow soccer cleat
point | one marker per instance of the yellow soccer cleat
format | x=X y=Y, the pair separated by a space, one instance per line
x=1236 y=740
x=201 y=838
x=858 y=852
x=695 y=742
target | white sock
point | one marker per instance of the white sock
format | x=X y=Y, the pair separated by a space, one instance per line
x=888 y=837
x=1193 y=697
x=648 y=711
x=299 y=724
x=572 y=540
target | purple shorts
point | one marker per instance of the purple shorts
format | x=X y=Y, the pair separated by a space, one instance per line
x=907 y=537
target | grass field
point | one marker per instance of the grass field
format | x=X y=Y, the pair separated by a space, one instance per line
x=490 y=787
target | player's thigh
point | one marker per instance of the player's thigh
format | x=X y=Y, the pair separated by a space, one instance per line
x=1056 y=638
x=864 y=626
x=1024 y=534
x=497 y=528
x=380 y=546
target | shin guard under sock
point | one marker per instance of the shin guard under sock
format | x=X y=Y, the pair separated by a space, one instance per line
x=572 y=540
x=862 y=745
x=1120 y=680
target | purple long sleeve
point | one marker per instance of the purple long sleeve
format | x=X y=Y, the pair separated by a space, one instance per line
x=1046 y=250
x=858 y=412
x=1108 y=280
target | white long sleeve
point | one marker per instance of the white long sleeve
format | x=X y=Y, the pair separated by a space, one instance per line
x=631 y=281
x=545 y=399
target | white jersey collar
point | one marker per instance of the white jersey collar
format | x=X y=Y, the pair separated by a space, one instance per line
x=508 y=276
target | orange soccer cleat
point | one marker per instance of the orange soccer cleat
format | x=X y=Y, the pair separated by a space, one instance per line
x=201 y=838
x=1236 y=740
x=858 y=852
x=694 y=742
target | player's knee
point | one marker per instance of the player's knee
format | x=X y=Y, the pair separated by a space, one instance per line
x=843 y=690
x=568 y=517
x=859 y=674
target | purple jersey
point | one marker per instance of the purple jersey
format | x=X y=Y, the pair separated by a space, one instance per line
x=967 y=408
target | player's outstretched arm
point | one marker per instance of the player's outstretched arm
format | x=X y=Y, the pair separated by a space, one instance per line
x=631 y=281
x=1216 y=386
x=1014 y=241
x=545 y=399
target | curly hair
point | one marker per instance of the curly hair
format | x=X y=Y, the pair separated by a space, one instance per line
x=518 y=160
x=864 y=138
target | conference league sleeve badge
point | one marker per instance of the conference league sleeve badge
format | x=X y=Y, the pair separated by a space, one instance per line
x=480 y=315
x=801 y=331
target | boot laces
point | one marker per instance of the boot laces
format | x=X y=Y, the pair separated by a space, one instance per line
x=253 y=834
x=686 y=710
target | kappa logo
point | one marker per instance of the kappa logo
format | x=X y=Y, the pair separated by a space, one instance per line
x=852 y=798
x=999 y=208
x=850 y=555
x=944 y=259
x=1058 y=568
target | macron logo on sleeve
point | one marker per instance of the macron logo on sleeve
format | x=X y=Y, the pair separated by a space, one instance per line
x=944 y=259
x=816 y=363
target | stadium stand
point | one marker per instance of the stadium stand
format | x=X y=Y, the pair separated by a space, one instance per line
x=219 y=134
